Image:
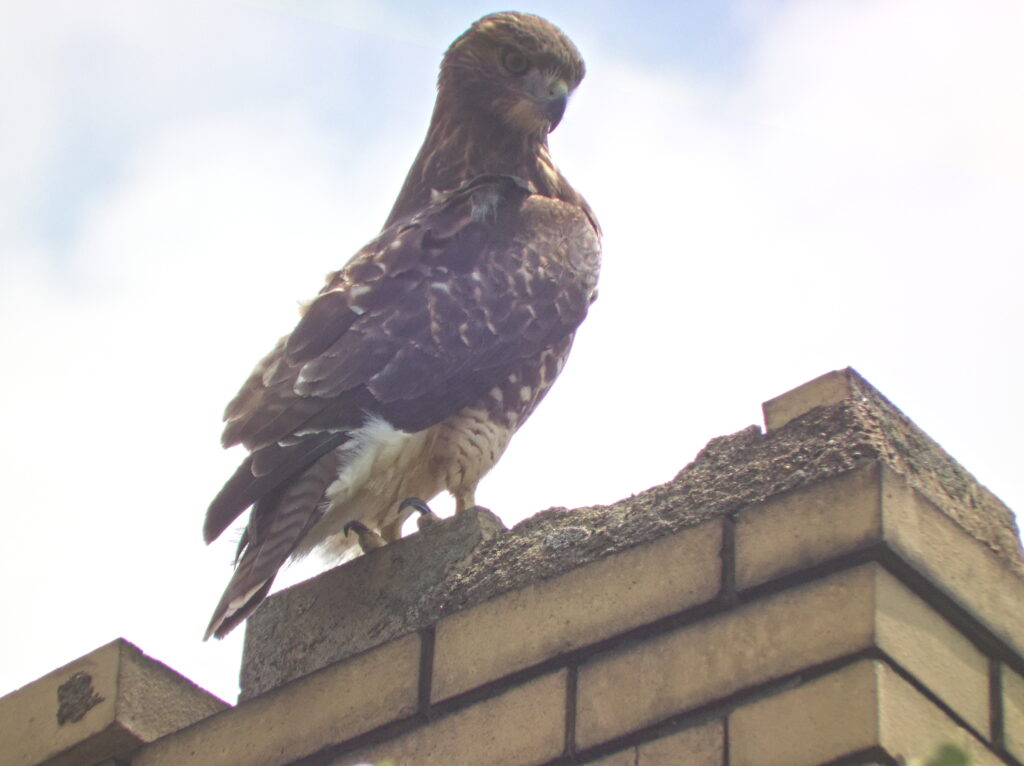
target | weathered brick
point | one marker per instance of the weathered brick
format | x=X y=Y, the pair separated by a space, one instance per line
x=522 y=726
x=700 y=746
x=808 y=526
x=913 y=726
x=857 y=609
x=671 y=673
x=858 y=707
x=830 y=388
x=1013 y=713
x=608 y=596
x=875 y=504
x=821 y=720
x=960 y=565
x=103 y=705
x=932 y=650
x=322 y=708
x=621 y=758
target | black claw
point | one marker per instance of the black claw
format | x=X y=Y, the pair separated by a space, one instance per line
x=368 y=539
x=416 y=504
x=427 y=516
x=359 y=527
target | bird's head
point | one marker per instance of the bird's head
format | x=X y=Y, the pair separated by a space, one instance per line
x=515 y=68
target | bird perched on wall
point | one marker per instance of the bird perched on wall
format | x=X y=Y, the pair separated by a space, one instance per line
x=410 y=371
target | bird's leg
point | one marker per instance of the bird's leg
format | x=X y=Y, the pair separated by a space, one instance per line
x=427 y=516
x=392 y=531
x=464 y=501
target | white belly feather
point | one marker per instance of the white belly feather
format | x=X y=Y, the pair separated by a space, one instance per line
x=384 y=465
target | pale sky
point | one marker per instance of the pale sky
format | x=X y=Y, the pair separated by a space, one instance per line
x=786 y=187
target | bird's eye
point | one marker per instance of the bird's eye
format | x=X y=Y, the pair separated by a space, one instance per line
x=515 y=62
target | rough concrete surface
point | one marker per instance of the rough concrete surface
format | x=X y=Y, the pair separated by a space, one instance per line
x=358 y=605
x=730 y=473
x=932 y=471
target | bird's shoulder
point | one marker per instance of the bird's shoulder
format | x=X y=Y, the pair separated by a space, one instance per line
x=485 y=274
x=473 y=225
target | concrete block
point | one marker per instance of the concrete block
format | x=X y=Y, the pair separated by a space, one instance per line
x=826 y=390
x=322 y=708
x=700 y=746
x=770 y=638
x=580 y=607
x=861 y=706
x=1013 y=713
x=101 y=706
x=363 y=603
x=522 y=726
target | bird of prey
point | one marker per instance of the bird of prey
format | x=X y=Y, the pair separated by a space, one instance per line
x=410 y=371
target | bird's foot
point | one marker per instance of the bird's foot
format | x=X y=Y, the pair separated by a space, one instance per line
x=369 y=540
x=427 y=516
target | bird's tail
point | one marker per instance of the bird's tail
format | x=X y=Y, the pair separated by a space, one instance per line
x=278 y=522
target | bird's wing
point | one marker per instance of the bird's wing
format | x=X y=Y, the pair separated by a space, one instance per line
x=422 y=322
x=487 y=275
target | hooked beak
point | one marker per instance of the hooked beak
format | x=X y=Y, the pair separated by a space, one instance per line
x=553 y=109
x=551 y=94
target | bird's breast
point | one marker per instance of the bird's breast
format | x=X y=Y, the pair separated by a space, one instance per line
x=383 y=465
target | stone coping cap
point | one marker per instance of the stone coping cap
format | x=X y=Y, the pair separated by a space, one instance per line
x=824 y=428
x=105 y=704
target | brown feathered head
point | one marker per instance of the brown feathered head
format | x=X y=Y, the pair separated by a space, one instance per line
x=514 y=67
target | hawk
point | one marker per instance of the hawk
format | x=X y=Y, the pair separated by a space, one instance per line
x=409 y=372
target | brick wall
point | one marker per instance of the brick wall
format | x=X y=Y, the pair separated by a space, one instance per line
x=836 y=590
